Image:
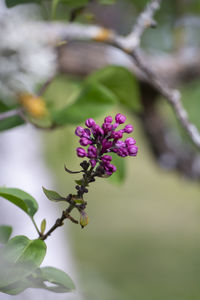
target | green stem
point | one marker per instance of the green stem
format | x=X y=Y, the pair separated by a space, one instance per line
x=35 y=225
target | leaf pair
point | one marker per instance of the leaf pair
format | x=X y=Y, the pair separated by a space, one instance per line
x=20 y=259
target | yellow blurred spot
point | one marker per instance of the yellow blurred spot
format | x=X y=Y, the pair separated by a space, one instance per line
x=33 y=105
x=128 y=50
x=103 y=35
x=61 y=43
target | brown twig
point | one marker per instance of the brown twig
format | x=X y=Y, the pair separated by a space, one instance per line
x=88 y=177
x=59 y=222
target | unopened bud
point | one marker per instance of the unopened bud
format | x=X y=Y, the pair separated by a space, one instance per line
x=84 y=219
x=43 y=226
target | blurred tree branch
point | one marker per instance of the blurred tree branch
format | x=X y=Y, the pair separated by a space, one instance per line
x=129 y=44
x=161 y=73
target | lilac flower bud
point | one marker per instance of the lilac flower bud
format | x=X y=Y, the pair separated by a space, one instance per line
x=93 y=162
x=79 y=131
x=117 y=134
x=120 y=119
x=120 y=144
x=84 y=141
x=106 y=158
x=130 y=141
x=128 y=128
x=108 y=119
x=132 y=150
x=92 y=152
x=106 y=145
x=81 y=152
x=115 y=125
x=107 y=127
x=90 y=123
x=87 y=133
x=110 y=169
x=97 y=130
x=123 y=152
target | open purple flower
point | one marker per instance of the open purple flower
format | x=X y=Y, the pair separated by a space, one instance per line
x=105 y=139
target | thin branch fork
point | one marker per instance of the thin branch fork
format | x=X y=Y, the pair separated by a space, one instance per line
x=144 y=21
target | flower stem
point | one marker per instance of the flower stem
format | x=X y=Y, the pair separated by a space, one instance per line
x=86 y=179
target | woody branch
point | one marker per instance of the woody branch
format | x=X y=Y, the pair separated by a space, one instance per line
x=130 y=45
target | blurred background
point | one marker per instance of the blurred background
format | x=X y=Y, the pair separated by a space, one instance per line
x=143 y=239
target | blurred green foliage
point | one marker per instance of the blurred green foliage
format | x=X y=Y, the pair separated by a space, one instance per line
x=142 y=241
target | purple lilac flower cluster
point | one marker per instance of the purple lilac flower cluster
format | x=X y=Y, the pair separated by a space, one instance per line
x=105 y=139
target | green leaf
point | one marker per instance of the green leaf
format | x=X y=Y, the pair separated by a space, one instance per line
x=52 y=195
x=11 y=3
x=40 y=278
x=11 y=122
x=62 y=281
x=93 y=101
x=107 y=2
x=16 y=287
x=18 y=259
x=5 y=233
x=121 y=82
x=3 y=107
x=119 y=175
x=21 y=199
x=79 y=181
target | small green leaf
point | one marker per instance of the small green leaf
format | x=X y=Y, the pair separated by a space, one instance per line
x=43 y=226
x=94 y=100
x=52 y=195
x=77 y=199
x=11 y=3
x=79 y=181
x=19 y=258
x=121 y=82
x=11 y=122
x=62 y=281
x=21 y=199
x=5 y=233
